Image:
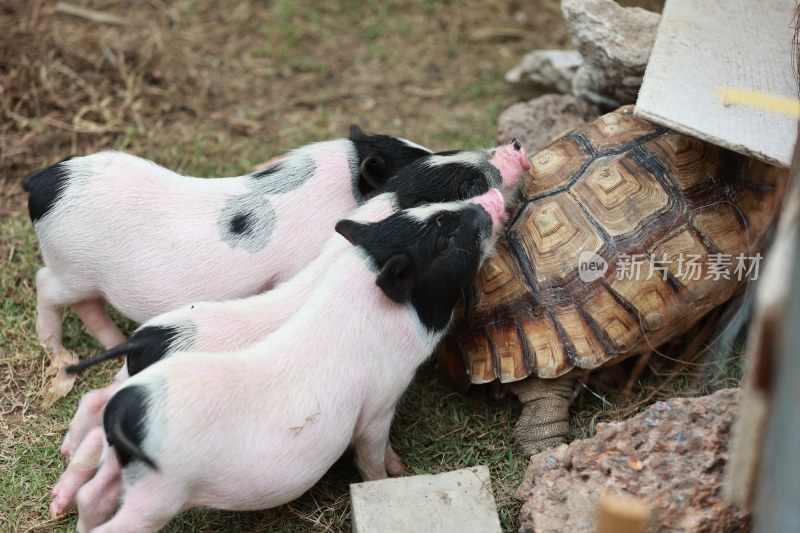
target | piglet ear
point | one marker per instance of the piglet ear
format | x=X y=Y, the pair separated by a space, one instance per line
x=350 y=230
x=395 y=278
x=355 y=132
x=374 y=172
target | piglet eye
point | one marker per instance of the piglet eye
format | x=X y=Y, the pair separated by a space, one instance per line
x=468 y=190
x=443 y=243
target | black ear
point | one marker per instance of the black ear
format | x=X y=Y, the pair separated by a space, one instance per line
x=356 y=132
x=395 y=278
x=350 y=230
x=374 y=172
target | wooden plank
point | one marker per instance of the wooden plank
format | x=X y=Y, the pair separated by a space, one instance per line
x=778 y=494
x=707 y=47
x=771 y=322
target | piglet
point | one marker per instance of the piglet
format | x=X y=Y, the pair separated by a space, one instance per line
x=120 y=229
x=233 y=325
x=258 y=427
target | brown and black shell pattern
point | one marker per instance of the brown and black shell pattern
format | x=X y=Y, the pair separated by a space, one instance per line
x=626 y=190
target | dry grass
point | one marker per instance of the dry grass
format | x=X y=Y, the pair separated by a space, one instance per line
x=209 y=88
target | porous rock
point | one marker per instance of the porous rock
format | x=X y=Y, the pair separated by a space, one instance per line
x=544 y=71
x=538 y=122
x=615 y=43
x=671 y=456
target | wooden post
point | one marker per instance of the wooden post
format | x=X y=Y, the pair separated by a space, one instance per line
x=778 y=493
x=766 y=436
x=621 y=515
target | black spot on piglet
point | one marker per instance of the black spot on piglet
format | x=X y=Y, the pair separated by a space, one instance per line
x=45 y=188
x=124 y=424
x=152 y=344
x=240 y=223
x=146 y=346
x=275 y=168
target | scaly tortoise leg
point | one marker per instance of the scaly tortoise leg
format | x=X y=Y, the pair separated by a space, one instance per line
x=544 y=422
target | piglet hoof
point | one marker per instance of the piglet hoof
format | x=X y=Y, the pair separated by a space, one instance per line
x=67 y=449
x=58 y=506
x=394 y=465
x=65 y=452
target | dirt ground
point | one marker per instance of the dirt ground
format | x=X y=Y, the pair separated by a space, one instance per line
x=209 y=86
x=209 y=89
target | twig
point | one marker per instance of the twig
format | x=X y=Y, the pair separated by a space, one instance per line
x=47 y=524
x=593 y=393
x=91 y=14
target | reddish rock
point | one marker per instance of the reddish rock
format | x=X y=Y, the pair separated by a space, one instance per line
x=672 y=456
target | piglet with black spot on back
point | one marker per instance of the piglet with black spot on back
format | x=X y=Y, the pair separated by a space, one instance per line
x=233 y=325
x=120 y=229
x=238 y=432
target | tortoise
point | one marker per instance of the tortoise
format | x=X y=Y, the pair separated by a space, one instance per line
x=563 y=293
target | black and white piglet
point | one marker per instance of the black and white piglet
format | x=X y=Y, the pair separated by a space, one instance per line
x=239 y=433
x=234 y=325
x=120 y=229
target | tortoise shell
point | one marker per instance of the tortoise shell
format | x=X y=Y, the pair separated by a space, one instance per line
x=615 y=193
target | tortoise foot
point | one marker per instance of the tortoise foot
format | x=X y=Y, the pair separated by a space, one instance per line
x=544 y=422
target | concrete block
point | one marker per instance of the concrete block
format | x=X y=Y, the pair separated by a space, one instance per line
x=454 y=501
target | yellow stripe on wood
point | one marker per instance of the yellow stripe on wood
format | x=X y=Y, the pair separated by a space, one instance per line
x=768 y=102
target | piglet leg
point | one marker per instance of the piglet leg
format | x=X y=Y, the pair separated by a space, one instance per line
x=80 y=470
x=88 y=416
x=372 y=449
x=93 y=313
x=96 y=499
x=393 y=462
x=50 y=296
x=149 y=504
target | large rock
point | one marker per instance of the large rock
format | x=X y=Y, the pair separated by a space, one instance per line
x=671 y=456
x=540 y=121
x=615 y=43
x=545 y=71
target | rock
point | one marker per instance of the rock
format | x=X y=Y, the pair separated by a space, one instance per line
x=540 y=121
x=454 y=501
x=544 y=71
x=615 y=43
x=671 y=457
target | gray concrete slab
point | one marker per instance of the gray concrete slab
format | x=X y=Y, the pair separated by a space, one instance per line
x=453 y=501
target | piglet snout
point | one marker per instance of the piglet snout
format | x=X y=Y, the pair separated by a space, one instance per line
x=494 y=204
x=511 y=160
x=523 y=158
